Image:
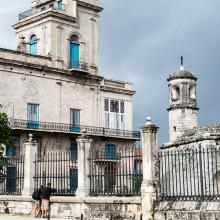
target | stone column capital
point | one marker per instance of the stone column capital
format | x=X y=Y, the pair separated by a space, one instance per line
x=149 y=129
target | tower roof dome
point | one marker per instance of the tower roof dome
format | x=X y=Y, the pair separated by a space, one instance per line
x=182 y=73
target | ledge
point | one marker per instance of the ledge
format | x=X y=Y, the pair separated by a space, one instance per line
x=88 y=200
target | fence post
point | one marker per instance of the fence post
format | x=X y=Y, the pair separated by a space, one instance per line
x=149 y=142
x=84 y=144
x=30 y=151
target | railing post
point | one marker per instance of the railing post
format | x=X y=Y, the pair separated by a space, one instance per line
x=30 y=151
x=149 y=142
x=84 y=145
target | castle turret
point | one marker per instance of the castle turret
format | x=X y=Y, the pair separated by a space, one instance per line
x=183 y=110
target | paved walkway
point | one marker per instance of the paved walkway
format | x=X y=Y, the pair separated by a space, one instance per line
x=8 y=217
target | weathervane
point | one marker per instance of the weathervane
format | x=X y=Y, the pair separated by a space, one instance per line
x=181 y=60
x=181 y=67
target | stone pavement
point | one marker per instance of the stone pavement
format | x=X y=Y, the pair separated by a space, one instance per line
x=9 y=217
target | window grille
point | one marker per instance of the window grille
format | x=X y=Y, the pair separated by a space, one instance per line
x=114 y=106
x=74 y=38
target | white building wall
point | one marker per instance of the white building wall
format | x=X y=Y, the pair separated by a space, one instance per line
x=56 y=95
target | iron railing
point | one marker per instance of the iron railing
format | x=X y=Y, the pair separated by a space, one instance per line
x=79 y=66
x=115 y=171
x=189 y=174
x=26 y=14
x=60 y=127
x=58 y=168
x=11 y=175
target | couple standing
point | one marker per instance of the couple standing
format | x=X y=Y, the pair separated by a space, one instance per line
x=41 y=199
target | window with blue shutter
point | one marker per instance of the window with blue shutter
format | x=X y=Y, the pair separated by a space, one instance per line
x=14 y=147
x=73 y=180
x=74 y=52
x=51 y=5
x=110 y=151
x=33 y=116
x=74 y=151
x=33 y=45
x=11 y=180
x=60 y=5
x=75 y=120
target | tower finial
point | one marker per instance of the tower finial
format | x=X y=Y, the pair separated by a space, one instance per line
x=182 y=66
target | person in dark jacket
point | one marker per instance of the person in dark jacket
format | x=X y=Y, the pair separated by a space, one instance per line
x=37 y=194
x=46 y=193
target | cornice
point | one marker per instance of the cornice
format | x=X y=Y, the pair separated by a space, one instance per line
x=117 y=90
x=182 y=107
x=90 y=6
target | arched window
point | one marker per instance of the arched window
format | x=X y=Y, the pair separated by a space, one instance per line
x=74 y=52
x=33 y=45
x=192 y=92
x=175 y=92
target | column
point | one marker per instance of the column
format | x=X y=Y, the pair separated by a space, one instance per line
x=84 y=145
x=30 y=151
x=149 y=142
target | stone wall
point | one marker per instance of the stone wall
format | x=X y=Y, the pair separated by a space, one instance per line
x=187 y=211
x=72 y=207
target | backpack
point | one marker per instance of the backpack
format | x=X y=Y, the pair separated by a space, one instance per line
x=36 y=195
x=46 y=192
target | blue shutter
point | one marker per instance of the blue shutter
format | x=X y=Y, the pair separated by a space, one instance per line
x=60 y=5
x=74 y=55
x=33 y=45
x=74 y=151
x=75 y=120
x=51 y=5
x=10 y=151
x=110 y=152
x=33 y=116
x=11 y=180
x=73 y=180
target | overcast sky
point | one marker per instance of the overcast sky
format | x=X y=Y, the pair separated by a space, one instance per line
x=142 y=40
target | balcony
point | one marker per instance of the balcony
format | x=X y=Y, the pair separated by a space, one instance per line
x=25 y=14
x=79 y=66
x=42 y=8
x=71 y=129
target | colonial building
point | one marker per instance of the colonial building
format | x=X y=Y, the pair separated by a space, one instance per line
x=50 y=85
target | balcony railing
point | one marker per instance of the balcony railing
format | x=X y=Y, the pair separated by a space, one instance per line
x=42 y=9
x=68 y=128
x=26 y=14
x=79 y=66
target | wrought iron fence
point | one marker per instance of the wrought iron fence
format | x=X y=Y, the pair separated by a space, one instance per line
x=115 y=171
x=11 y=175
x=91 y=130
x=189 y=174
x=58 y=168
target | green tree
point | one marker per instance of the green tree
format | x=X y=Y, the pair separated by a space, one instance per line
x=5 y=136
